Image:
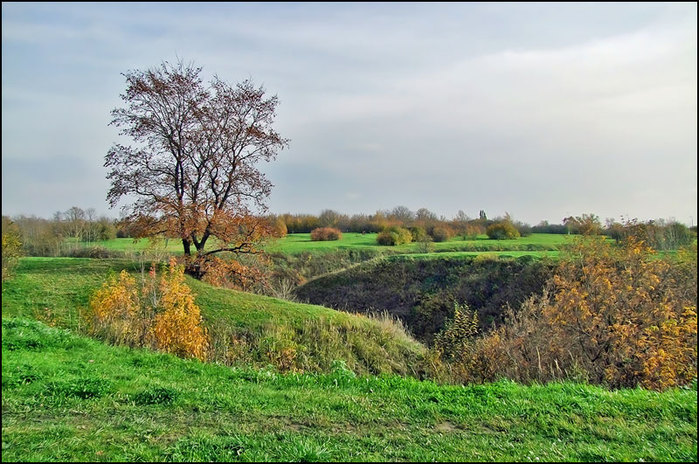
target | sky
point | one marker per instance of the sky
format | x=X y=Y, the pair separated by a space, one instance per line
x=538 y=110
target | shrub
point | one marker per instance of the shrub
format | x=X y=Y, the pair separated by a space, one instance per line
x=418 y=234
x=623 y=316
x=502 y=230
x=451 y=341
x=11 y=247
x=158 y=314
x=392 y=236
x=472 y=231
x=98 y=252
x=325 y=234
x=442 y=233
x=177 y=326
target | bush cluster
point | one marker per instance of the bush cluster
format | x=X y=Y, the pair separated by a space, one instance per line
x=623 y=316
x=392 y=236
x=442 y=233
x=502 y=230
x=325 y=234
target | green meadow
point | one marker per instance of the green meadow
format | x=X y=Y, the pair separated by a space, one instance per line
x=70 y=398
x=535 y=244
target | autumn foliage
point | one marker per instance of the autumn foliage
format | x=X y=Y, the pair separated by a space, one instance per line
x=621 y=315
x=193 y=167
x=11 y=247
x=325 y=234
x=156 y=312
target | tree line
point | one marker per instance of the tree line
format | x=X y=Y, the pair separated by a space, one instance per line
x=77 y=227
x=661 y=234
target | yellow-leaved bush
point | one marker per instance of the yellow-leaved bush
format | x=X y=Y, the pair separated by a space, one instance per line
x=621 y=315
x=157 y=313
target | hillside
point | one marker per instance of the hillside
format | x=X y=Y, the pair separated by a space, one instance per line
x=71 y=398
x=246 y=329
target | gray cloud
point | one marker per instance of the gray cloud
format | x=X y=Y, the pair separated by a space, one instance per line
x=535 y=109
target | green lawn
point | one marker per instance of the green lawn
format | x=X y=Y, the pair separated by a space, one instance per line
x=297 y=243
x=131 y=245
x=535 y=245
x=70 y=398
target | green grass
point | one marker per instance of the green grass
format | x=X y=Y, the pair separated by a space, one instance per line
x=70 y=398
x=246 y=328
x=299 y=243
x=128 y=245
x=535 y=244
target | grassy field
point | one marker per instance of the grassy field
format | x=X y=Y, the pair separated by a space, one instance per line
x=130 y=245
x=70 y=398
x=532 y=245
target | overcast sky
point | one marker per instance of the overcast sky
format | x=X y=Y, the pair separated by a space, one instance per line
x=539 y=110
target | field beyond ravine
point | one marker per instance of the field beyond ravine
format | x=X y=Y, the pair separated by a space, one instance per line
x=535 y=244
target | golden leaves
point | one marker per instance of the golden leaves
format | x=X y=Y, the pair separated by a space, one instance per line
x=159 y=314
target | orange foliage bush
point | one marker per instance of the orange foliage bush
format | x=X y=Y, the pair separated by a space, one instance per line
x=622 y=315
x=159 y=314
x=177 y=327
x=325 y=234
x=230 y=273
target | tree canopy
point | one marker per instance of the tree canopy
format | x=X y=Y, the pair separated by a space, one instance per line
x=191 y=170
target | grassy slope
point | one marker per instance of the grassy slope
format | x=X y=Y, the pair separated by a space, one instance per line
x=57 y=290
x=66 y=397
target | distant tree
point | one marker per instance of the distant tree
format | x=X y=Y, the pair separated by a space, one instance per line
x=192 y=169
x=75 y=221
x=460 y=222
x=424 y=215
x=545 y=228
x=587 y=224
x=40 y=237
x=614 y=229
x=402 y=214
x=104 y=229
x=472 y=231
x=329 y=218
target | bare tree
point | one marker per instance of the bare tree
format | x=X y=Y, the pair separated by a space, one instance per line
x=192 y=168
